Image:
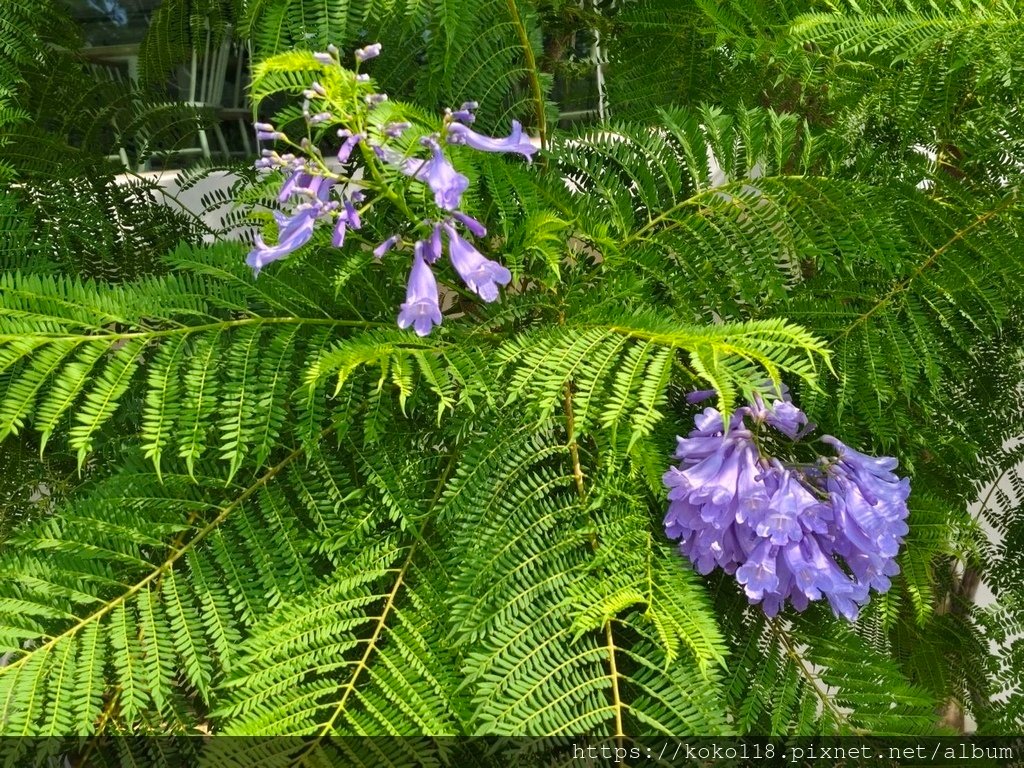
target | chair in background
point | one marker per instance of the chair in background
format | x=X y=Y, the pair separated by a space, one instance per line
x=204 y=87
x=235 y=109
x=109 y=71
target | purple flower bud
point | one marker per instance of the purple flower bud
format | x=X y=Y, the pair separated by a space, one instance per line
x=265 y=127
x=421 y=309
x=318 y=89
x=332 y=49
x=386 y=246
x=434 y=246
x=463 y=116
x=269 y=136
x=346 y=148
x=394 y=130
x=324 y=58
x=470 y=223
x=320 y=117
x=479 y=273
x=514 y=142
x=369 y=52
x=699 y=396
x=374 y=99
x=351 y=215
x=362 y=77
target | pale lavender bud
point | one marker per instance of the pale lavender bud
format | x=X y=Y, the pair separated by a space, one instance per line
x=269 y=136
x=369 y=52
x=324 y=58
x=320 y=117
x=470 y=223
x=332 y=49
x=374 y=99
x=346 y=148
x=362 y=78
x=318 y=89
x=394 y=130
x=386 y=246
x=266 y=127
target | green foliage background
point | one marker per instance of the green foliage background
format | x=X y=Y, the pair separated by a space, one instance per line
x=259 y=508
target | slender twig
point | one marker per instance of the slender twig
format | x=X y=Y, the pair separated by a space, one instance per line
x=531 y=67
x=167 y=564
x=902 y=286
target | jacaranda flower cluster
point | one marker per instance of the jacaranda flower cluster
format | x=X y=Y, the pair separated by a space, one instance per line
x=789 y=531
x=367 y=153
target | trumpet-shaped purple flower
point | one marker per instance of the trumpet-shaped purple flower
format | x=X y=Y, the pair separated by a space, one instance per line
x=479 y=273
x=421 y=309
x=440 y=175
x=351 y=139
x=294 y=232
x=514 y=142
x=348 y=218
x=789 y=533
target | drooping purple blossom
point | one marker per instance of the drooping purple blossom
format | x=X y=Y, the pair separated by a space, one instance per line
x=351 y=139
x=474 y=226
x=420 y=309
x=294 y=232
x=514 y=142
x=479 y=273
x=386 y=246
x=440 y=175
x=792 y=533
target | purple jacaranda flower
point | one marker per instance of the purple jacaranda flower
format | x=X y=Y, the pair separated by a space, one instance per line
x=758 y=573
x=464 y=114
x=395 y=130
x=432 y=250
x=338 y=238
x=407 y=165
x=369 y=52
x=269 y=136
x=479 y=273
x=790 y=534
x=514 y=142
x=294 y=232
x=299 y=179
x=386 y=246
x=351 y=140
x=421 y=309
x=700 y=396
x=349 y=217
x=470 y=223
x=440 y=175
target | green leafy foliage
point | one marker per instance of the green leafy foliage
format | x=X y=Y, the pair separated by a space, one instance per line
x=256 y=507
